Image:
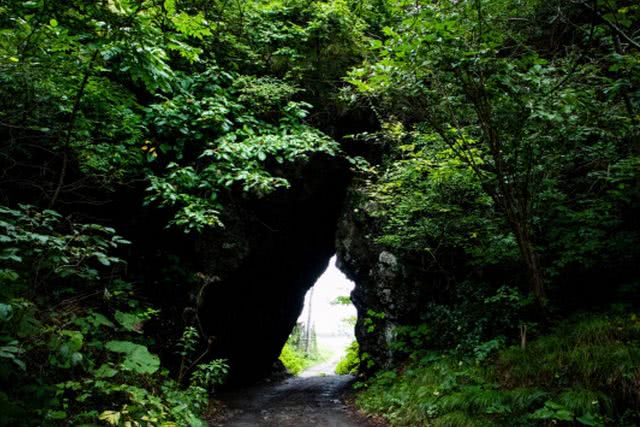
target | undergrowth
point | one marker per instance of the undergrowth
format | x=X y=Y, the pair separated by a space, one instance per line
x=72 y=344
x=297 y=360
x=350 y=363
x=586 y=371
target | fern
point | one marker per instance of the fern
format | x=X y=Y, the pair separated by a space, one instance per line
x=461 y=419
x=582 y=401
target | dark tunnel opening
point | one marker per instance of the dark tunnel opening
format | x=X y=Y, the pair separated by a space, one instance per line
x=286 y=243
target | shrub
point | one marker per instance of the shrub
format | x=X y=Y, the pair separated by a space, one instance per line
x=350 y=363
x=296 y=360
x=72 y=348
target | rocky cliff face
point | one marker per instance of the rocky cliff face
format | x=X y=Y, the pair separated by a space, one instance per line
x=390 y=288
x=243 y=285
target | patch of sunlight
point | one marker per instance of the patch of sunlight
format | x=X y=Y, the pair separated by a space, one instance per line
x=331 y=323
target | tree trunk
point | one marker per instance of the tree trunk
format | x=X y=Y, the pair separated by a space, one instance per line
x=531 y=260
x=72 y=122
x=307 y=344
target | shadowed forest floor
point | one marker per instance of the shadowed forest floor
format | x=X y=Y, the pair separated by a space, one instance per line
x=298 y=401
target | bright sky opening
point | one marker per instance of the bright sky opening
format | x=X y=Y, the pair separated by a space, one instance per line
x=328 y=318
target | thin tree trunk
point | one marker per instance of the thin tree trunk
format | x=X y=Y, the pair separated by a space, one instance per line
x=514 y=202
x=532 y=261
x=70 y=126
x=308 y=331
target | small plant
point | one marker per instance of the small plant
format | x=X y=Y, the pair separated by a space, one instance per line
x=294 y=360
x=186 y=348
x=294 y=356
x=211 y=374
x=372 y=319
x=350 y=363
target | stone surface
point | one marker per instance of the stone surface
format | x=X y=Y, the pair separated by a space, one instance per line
x=390 y=288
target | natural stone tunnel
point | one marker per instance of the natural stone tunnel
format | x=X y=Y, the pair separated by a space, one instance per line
x=261 y=264
x=265 y=261
x=274 y=249
x=257 y=268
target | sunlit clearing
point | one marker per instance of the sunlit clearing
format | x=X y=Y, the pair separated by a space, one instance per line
x=326 y=325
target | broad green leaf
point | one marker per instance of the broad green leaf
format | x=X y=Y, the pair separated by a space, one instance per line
x=111 y=417
x=105 y=371
x=6 y=312
x=129 y=321
x=590 y=420
x=137 y=357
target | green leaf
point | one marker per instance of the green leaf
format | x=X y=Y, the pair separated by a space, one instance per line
x=72 y=343
x=100 y=320
x=129 y=321
x=76 y=358
x=20 y=363
x=590 y=420
x=111 y=417
x=137 y=357
x=56 y=415
x=103 y=259
x=170 y=6
x=6 y=312
x=105 y=371
x=553 y=411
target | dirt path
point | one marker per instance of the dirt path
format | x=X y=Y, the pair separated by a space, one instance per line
x=310 y=401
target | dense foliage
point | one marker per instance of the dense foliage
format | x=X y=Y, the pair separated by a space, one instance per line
x=504 y=139
x=115 y=91
x=72 y=342
x=350 y=362
x=511 y=174
x=583 y=373
x=507 y=144
x=187 y=101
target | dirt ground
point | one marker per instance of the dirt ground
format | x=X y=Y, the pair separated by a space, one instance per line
x=309 y=401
